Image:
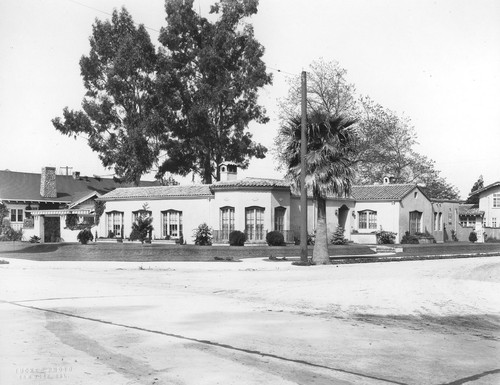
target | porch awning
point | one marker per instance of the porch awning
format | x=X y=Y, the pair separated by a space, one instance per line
x=61 y=212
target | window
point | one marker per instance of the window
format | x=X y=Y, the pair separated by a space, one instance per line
x=226 y=221
x=493 y=222
x=435 y=221
x=171 y=224
x=367 y=220
x=496 y=200
x=254 y=223
x=415 y=222
x=16 y=215
x=440 y=221
x=279 y=219
x=114 y=223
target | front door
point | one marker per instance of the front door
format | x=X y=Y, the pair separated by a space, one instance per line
x=52 y=229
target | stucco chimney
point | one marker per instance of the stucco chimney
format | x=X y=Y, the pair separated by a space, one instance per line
x=228 y=171
x=48 y=182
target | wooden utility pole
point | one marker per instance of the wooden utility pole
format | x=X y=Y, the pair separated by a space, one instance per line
x=303 y=188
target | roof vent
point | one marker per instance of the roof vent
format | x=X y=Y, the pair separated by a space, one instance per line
x=76 y=174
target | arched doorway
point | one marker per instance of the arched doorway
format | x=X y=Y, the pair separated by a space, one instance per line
x=343 y=212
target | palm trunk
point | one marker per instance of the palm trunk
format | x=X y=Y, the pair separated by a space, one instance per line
x=320 y=251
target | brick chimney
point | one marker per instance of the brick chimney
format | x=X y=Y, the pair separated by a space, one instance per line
x=48 y=182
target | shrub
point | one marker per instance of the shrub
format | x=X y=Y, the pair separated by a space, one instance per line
x=338 y=236
x=84 y=236
x=473 y=236
x=275 y=238
x=454 y=235
x=409 y=239
x=7 y=233
x=35 y=239
x=111 y=234
x=386 y=237
x=203 y=235
x=237 y=238
x=141 y=228
x=492 y=240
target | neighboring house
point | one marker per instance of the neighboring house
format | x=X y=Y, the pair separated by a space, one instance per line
x=39 y=204
x=488 y=218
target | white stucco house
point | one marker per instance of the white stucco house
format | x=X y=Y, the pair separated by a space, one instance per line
x=257 y=206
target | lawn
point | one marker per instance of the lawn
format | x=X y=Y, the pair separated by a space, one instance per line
x=135 y=252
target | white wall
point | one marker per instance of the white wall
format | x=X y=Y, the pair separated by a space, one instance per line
x=240 y=199
x=486 y=205
x=387 y=215
x=194 y=212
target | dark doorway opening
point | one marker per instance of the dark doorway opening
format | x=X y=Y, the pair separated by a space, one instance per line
x=52 y=229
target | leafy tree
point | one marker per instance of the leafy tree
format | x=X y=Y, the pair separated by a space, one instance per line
x=330 y=149
x=479 y=184
x=386 y=141
x=328 y=92
x=215 y=69
x=386 y=148
x=120 y=111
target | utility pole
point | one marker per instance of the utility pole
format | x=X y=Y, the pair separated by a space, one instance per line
x=303 y=189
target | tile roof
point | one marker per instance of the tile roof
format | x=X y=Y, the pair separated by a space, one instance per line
x=469 y=209
x=158 y=192
x=24 y=186
x=382 y=192
x=251 y=183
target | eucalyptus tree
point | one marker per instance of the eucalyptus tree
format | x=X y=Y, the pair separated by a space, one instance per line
x=119 y=115
x=211 y=71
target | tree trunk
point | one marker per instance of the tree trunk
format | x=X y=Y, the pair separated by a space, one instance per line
x=320 y=251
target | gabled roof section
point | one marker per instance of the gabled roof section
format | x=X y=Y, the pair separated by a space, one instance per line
x=80 y=197
x=252 y=183
x=393 y=192
x=22 y=186
x=495 y=184
x=158 y=192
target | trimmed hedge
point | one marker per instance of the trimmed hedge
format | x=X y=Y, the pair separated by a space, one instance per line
x=275 y=238
x=237 y=238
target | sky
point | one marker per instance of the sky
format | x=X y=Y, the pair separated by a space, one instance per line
x=436 y=62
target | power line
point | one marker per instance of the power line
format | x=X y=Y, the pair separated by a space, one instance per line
x=282 y=71
x=107 y=13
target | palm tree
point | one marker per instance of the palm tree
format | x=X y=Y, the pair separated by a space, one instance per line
x=330 y=146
